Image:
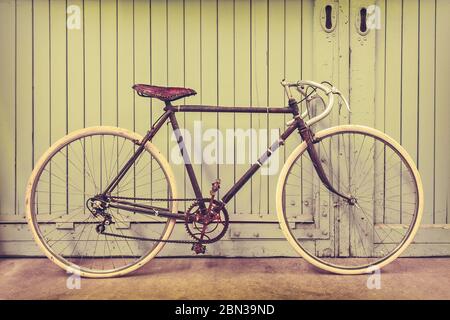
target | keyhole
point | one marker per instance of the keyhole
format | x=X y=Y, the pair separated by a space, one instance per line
x=328 y=20
x=363 y=20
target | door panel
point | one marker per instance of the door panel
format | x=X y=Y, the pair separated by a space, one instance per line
x=55 y=80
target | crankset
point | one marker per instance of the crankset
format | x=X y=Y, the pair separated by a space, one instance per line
x=203 y=229
x=207 y=227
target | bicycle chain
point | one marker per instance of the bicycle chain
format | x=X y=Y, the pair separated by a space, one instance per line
x=148 y=239
x=153 y=239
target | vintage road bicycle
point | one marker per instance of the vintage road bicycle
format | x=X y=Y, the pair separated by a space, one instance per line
x=102 y=201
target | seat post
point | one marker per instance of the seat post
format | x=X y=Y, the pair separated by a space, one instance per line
x=168 y=106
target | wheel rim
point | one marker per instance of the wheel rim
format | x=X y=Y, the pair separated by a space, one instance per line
x=75 y=171
x=329 y=231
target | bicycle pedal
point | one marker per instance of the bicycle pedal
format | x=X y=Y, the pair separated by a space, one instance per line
x=198 y=248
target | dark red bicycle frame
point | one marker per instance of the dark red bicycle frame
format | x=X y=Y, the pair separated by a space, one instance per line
x=169 y=114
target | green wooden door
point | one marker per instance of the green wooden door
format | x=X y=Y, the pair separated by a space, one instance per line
x=56 y=79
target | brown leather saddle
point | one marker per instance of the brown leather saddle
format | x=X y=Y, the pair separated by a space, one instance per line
x=165 y=94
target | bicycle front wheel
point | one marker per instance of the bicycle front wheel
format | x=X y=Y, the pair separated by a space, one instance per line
x=371 y=230
x=59 y=202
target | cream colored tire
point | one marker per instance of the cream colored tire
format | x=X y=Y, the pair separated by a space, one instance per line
x=284 y=224
x=31 y=218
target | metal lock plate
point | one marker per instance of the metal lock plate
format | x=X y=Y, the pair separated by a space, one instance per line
x=328 y=17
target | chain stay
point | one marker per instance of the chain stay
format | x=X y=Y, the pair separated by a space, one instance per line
x=153 y=239
x=159 y=199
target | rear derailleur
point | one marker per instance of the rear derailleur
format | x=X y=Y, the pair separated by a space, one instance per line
x=98 y=209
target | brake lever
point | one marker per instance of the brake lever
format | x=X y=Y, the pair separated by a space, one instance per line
x=335 y=91
x=346 y=103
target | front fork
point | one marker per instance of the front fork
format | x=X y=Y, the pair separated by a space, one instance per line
x=308 y=136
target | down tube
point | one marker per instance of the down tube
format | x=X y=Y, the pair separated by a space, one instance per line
x=262 y=159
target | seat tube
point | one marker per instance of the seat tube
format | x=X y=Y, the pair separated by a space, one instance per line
x=187 y=160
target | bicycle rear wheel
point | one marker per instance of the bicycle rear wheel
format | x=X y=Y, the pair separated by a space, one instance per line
x=338 y=235
x=77 y=168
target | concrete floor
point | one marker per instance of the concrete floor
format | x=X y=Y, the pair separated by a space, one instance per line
x=220 y=278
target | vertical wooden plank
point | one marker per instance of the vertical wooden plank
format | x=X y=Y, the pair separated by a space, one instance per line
x=75 y=101
x=323 y=44
x=259 y=183
x=24 y=102
x=142 y=64
x=338 y=171
x=158 y=38
x=362 y=76
x=136 y=179
x=293 y=51
x=344 y=84
x=393 y=102
x=209 y=91
x=41 y=64
x=141 y=107
x=75 y=107
x=292 y=46
x=175 y=77
x=307 y=30
x=225 y=85
x=242 y=71
x=192 y=65
x=362 y=97
x=298 y=65
x=309 y=25
x=92 y=62
x=380 y=61
x=58 y=102
x=410 y=77
x=343 y=53
x=295 y=33
x=409 y=98
x=108 y=25
x=393 y=68
x=442 y=155
x=380 y=85
x=427 y=104
x=125 y=67
x=93 y=97
x=325 y=66
x=275 y=73
x=325 y=56
x=7 y=100
x=109 y=82
x=92 y=74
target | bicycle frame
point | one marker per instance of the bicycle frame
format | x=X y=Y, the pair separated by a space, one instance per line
x=169 y=114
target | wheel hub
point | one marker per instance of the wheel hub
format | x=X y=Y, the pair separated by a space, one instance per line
x=352 y=201
x=98 y=208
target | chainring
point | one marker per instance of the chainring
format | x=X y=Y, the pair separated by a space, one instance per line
x=193 y=226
